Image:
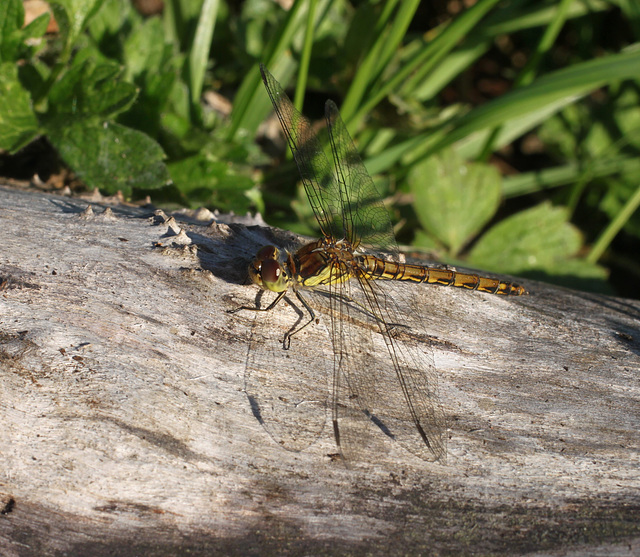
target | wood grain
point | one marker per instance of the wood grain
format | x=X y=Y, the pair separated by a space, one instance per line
x=126 y=429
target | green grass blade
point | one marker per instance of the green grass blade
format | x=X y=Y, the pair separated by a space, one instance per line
x=527 y=15
x=427 y=58
x=251 y=106
x=531 y=182
x=556 y=89
x=379 y=55
x=303 y=72
x=529 y=71
x=199 y=55
x=248 y=110
x=614 y=227
x=517 y=17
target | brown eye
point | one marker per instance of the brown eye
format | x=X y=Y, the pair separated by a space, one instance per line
x=266 y=253
x=270 y=271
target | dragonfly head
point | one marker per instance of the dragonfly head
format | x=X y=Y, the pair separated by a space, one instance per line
x=267 y=272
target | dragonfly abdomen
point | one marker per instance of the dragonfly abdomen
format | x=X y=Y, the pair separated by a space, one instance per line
x=379 y=269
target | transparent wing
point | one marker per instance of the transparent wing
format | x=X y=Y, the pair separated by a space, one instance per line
x=288 y=389
x=383 y=370
x=381 y=367
x=343 y=196
x=317 y=174
x=362 y=212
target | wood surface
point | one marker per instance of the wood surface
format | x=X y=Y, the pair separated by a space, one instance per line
x=126 y=429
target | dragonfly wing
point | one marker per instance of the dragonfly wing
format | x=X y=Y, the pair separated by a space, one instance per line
x=316 y=172
x=380 y=371
x=385 y=369
x=397 y=389
x=352 y=349
x=365 y=218
x=287 y=389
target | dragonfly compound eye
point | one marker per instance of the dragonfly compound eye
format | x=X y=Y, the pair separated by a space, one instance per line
x=273 y=275
x=270 y=271
x=267 y=253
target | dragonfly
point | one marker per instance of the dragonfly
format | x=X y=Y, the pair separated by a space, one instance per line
x=381 y=371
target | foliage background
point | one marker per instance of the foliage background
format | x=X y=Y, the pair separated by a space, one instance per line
x=502 y=135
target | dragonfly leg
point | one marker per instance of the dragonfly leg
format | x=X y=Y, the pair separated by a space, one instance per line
x=312 y=318
x=287 y=337
x=370 y=315
x=268 y=308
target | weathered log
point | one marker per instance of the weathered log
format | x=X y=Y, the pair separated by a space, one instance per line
x=125 y=428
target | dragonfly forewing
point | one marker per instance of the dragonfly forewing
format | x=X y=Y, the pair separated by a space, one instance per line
x=364 y=217
x=315 y=170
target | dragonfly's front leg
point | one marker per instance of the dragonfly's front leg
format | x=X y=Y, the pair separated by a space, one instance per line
x=286 y=341
x=269 y=308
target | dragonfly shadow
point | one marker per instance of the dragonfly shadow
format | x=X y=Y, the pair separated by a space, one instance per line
x=228 y=255
x=287 y=389
x=255 y=408
x=380 y=424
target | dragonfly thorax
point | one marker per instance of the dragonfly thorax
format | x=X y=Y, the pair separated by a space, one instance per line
x=322 y=262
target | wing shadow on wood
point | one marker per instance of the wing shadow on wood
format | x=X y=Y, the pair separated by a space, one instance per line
x=288 y=388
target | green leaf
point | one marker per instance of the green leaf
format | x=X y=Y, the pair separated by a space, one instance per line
x=554 y=90
x=109 y=22
x=18 y=124
x=454 y=200
x=425 y=242
x=63 y=95
x=199 y=55
x=110 y=156
x=11 y=17
x=110 y=98
x=11 y=21
x=206 y=181
x=143 y=49
x=92 y=90
x=152 y=65
x=37 y=28
x=537 y=238
x=73 y=15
